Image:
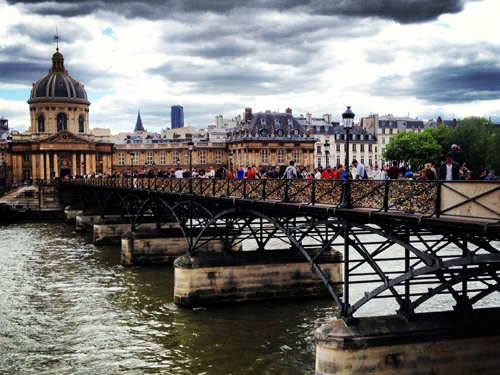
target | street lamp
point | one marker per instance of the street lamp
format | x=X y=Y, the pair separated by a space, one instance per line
x=327 y=151
x=132 y=156
x=348 y=118
x=190 y=149
x=83 y=167
x=100 y=162
x=230 y=154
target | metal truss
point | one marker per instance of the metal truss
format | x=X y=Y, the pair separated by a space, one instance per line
x=408 y=261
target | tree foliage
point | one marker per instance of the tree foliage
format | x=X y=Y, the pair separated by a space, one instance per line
x=479 y=142
x=413 y=149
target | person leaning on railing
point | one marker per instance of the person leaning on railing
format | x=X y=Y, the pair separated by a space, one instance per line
x=290 y=171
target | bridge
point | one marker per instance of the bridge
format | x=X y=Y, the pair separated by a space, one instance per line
x=408 y=241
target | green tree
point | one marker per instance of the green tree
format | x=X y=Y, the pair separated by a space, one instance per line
x=478 y=141
x=413 y=149
x=442 y=135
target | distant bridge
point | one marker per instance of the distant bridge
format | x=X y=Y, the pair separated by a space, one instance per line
x=405 y=240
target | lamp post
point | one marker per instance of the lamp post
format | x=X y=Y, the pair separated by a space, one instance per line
x=83 y=168
x=190 y=149
x=230 y=155
x=348 y=119
x=132 y=156
x=100 y=162
x=327 y=151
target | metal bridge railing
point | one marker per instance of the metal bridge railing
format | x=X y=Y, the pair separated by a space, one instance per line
x=454 y=198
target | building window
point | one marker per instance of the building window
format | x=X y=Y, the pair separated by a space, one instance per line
x=345 y=147
x=202 y=157
x=370 y=148
x=149 y=158
x=362 y=148
x=218 y=157
x=27 y=174
x=383 y=131
x=338 y=147
x=383 y=140
x=375 y=148
x=319 y=162
x=281 y=156
x=62 y=122
x=136 y=158
x=186 y=157
x=121 y=158
x=338 y=160
x=265 y=156
x=175 y=157
x=163 y=158
x=41 y=123
x=363 y=161
x=296 y=156
x=81 y=126
x=390 y=131
x=318 y=150
x=354 y=148
x=370 y=162
x=26 y=157
x=2 y=157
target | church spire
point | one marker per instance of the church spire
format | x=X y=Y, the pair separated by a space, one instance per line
x=138 y=124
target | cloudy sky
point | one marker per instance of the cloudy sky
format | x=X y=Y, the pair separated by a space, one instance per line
x=425 y=58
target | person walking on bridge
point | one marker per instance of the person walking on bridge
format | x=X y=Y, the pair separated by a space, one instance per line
x=393 y=171
x=290 y=171
x=449 y=171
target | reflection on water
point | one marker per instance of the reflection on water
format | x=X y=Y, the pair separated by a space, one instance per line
x=67 y=307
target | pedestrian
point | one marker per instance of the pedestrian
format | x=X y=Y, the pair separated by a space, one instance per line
x=376 y=175
x=393 y=171
x=491 y=176
x=328 y=173
x=449 y=170
x=360 y=170
x=290 y=171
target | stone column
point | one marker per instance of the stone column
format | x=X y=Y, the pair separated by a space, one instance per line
x=19 y=167
x=74 y=166
x=42 y=166
x=88 y=166
x=56 y=165
x=34 y=171
x=47 y=162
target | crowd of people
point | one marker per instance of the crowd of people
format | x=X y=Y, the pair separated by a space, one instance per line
x=451 y=169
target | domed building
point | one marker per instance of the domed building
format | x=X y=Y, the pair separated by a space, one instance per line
x=58 y=101
x=59 y=141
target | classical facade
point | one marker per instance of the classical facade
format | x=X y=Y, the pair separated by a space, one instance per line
x=265 y=139
x=59 y=141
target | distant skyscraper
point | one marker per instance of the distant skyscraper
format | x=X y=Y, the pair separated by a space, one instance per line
x=177 y=116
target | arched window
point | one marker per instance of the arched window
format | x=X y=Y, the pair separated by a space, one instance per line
x=81 y=127
x=62 y=122
x=41 y=123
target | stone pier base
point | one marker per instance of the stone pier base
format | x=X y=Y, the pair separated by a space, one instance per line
x=156 y=247
x=434 y=343
x=70 y=215
x=250 y=276
x=85 y=221
x=108 y=232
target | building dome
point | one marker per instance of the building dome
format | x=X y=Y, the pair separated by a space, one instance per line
x=58 y=85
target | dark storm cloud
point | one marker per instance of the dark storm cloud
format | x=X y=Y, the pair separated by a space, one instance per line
x=402 y=11
x=446 y=84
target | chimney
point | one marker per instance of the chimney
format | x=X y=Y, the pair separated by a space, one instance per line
x=327 y=117
x=439 y=121
x=308 y=117
x=454 y=123
x=288 y=110
x=248 y=113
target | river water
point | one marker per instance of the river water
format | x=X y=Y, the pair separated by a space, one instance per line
x=68 y=307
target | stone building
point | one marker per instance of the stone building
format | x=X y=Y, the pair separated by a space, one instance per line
x=264 y=139
x=58 y=141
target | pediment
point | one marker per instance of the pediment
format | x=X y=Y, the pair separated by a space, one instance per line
x=64 y=137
